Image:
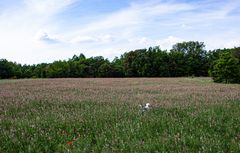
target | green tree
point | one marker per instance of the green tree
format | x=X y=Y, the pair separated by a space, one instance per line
x=177 y=64
x=195 y=57
x=226 y=69
x=117 y=67
x=58 y=69
x=6 y=69
x=40 y=70
x=130 y=63
x=105 y=70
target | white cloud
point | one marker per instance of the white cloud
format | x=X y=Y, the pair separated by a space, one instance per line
x=92 y=39
x=215 y=43
x=47 y=7
x=134 y=16
x=83 y=39
x=46 y=38
x=168 y=42
x=23 y=37
x=32 y=32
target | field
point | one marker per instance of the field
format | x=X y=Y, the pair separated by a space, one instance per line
x=103 y=115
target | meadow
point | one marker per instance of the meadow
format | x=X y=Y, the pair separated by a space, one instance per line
x=103 y=115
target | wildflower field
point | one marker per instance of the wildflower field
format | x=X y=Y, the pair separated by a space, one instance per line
x=103 y=115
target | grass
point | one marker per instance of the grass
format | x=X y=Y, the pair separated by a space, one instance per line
x=102 y=115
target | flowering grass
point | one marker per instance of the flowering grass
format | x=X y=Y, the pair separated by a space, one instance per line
x=103 y=115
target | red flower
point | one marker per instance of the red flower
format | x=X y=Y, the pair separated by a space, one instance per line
x=70 y=142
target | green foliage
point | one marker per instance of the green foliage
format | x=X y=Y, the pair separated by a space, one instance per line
x=117 y=67
x=102 y=115
x=95 y=127
x=226 y=69
x=146 y=63
x=177 y=65
x=193 y=58
x=6 y=69
x=105 y=70
x=184 y=59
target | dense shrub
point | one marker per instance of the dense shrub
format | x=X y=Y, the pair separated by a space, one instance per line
x=226 y=69
x=183 y=60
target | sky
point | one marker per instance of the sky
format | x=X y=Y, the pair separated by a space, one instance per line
x=37 y=31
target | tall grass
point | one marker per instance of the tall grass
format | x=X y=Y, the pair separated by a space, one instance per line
x=45 y=118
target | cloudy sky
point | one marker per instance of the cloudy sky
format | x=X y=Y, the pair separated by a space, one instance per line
x=35 y=31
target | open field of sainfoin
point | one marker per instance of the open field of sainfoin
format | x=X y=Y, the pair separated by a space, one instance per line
x=103 y=115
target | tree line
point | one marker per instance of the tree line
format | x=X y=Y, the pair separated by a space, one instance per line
x=184 y=59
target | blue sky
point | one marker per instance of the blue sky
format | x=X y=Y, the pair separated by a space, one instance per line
x=35 y=31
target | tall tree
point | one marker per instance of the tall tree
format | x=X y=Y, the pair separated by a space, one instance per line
x=195 y=57
x=227 y=68
x=6 y=69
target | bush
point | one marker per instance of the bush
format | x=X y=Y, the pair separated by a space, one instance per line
x=226 y=69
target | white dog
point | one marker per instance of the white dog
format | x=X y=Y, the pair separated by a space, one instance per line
x=145 y=107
